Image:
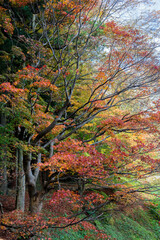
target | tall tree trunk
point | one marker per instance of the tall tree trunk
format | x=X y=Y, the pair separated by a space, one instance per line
x=3 y=159
x=35 y=197
x=35 y=200
x=4 y=185
x=20 y=195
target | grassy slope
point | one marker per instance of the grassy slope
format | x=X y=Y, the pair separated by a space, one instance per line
x=140 y=224
x=135 y=222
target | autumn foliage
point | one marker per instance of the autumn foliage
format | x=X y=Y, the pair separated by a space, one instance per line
x=79 y=112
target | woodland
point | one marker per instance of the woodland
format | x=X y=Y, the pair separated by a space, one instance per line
x=79 y=117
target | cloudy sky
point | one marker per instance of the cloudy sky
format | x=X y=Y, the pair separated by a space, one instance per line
x=141 y=8
x=154 y=26
x=142 y=16
x=156 y=5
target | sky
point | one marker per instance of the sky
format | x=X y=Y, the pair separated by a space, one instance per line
x=139 y=15
x=155 y=25
x=142 y=9
x=155 y=5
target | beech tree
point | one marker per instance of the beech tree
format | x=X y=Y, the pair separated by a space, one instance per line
x=67 y=79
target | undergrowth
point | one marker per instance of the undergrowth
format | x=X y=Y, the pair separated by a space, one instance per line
x=140 y=224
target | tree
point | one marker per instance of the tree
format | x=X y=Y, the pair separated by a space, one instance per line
x=61 y=87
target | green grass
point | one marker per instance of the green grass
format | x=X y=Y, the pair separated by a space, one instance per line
x=67 y=235
x=139 y=225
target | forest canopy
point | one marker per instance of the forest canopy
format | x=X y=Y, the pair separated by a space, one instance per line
x=79 y=110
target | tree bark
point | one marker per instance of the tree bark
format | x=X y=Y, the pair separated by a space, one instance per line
x=20 y=194
x=35 y=198
x=3 y=158
x=4 y=185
